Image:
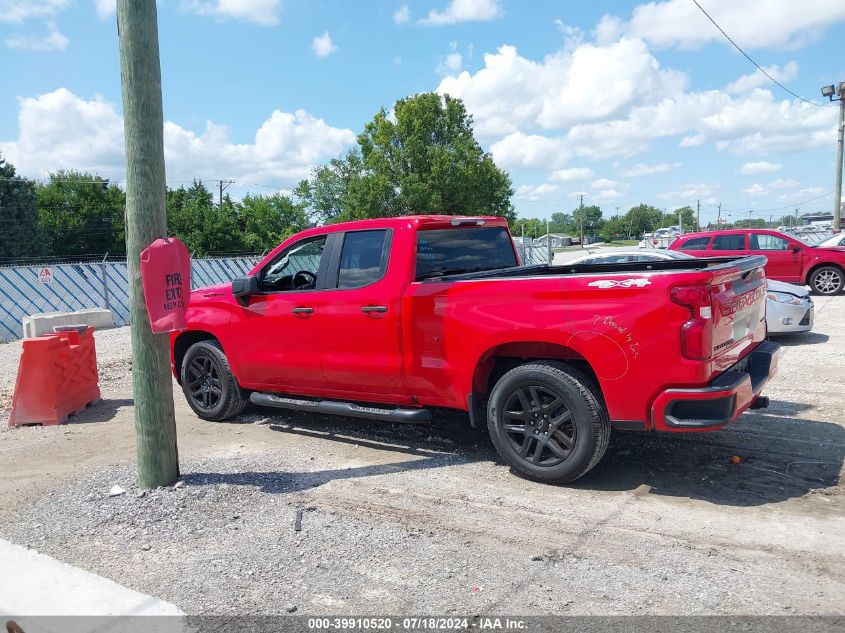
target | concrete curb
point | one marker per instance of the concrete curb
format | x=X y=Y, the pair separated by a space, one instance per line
x=33 y=586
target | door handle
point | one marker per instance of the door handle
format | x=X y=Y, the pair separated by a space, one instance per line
x=303 y=310
x=369 y=309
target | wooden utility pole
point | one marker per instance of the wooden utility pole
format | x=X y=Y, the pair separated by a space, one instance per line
x=146 y=221
x=698 y=215
x=223 y=185
x=581 y=209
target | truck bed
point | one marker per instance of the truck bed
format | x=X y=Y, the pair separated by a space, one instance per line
x=542 y=270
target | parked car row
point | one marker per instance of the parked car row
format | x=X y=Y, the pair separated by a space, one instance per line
x=789 y=259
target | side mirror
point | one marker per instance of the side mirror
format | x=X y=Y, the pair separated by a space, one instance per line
x=242 y=287
x=796 y=249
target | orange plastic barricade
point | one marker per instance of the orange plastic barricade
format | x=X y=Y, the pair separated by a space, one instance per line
x=57 y=376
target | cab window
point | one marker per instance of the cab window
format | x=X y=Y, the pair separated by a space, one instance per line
x=695 y=244
x=729 y=242
x=763 y=242
x=362 y=260
x=296 y=267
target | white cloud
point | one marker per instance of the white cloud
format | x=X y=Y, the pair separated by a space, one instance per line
x=752 y=23
x=538 y=114
x=402 y=15
x=531 y=151
x=783 y=183
x=642 y=169
x=536 y=192
x=453 y=62
x=759 y=167
x=756 y=79
x=105 y=8
x=16 y=11
x=53 y=41
x=263 y=12
x=689 y=192
x=756 y=190
x=572 y=174
x=463 y=11
x=605 y=195
x=603 y=183
x=323 y=45
x=60 y=130
x=590 y=83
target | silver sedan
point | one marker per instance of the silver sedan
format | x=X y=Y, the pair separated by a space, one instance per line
x=789 y=308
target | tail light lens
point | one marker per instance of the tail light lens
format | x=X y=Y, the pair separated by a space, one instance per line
x=697 y=333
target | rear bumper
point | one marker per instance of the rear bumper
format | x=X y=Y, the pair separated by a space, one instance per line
x=723 y=400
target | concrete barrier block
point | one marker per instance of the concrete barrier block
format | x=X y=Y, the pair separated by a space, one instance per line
x=39 y=324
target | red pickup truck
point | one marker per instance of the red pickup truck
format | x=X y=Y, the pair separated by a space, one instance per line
x=822 y=268
x=385 y=319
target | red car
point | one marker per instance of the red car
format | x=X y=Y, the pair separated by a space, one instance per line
x=822 y=268
x=385 y=319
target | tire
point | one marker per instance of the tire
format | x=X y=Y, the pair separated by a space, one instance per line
x=827 y=280
x=577 y=422
x=208 y=383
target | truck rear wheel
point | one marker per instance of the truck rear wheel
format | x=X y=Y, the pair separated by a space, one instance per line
x=548 y=422
x=208 y=382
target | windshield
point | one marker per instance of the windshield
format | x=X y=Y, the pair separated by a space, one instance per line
x=463 y=250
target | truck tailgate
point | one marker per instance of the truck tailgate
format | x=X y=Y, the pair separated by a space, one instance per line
x=739 y=313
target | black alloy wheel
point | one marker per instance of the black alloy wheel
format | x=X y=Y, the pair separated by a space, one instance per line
x=204 y=383
x=539 y=425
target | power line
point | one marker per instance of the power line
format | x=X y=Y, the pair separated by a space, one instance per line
x=759 y=67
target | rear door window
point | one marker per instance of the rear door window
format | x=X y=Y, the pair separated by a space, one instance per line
x=734 y=242
x=463 y=250
x=695 y=244
x=362 y=259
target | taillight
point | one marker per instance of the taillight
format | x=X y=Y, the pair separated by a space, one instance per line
x=697 y=333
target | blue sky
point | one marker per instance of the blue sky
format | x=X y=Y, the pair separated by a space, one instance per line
x=623 y=102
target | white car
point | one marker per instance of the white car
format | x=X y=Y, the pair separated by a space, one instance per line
x=789 y=308
x=836 y=240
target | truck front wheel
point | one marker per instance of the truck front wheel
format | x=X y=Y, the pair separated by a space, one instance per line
x=208 y=382
x=547 y=421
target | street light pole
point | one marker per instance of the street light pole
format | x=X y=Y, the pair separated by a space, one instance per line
x=837 y=195
x=829 y=92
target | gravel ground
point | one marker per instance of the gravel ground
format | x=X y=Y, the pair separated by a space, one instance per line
x=399 y=519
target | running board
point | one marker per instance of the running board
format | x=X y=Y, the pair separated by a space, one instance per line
x=406 y=416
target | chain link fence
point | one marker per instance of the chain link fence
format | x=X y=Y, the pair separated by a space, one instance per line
x=34 y=289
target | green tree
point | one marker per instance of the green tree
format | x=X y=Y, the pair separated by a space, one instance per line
x=424 y=159
x=588 y=218
x=18 y=214
x=265 y=221
x=202 y=225
x=685 y=216
x=614 y=229
x=642 y=218
x=81 y=213
x=533 y=227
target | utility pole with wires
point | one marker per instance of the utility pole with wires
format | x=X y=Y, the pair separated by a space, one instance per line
x=146 y=221
x=698 y=215
x=719 y=218
x=223 y=185
x=581 y=216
